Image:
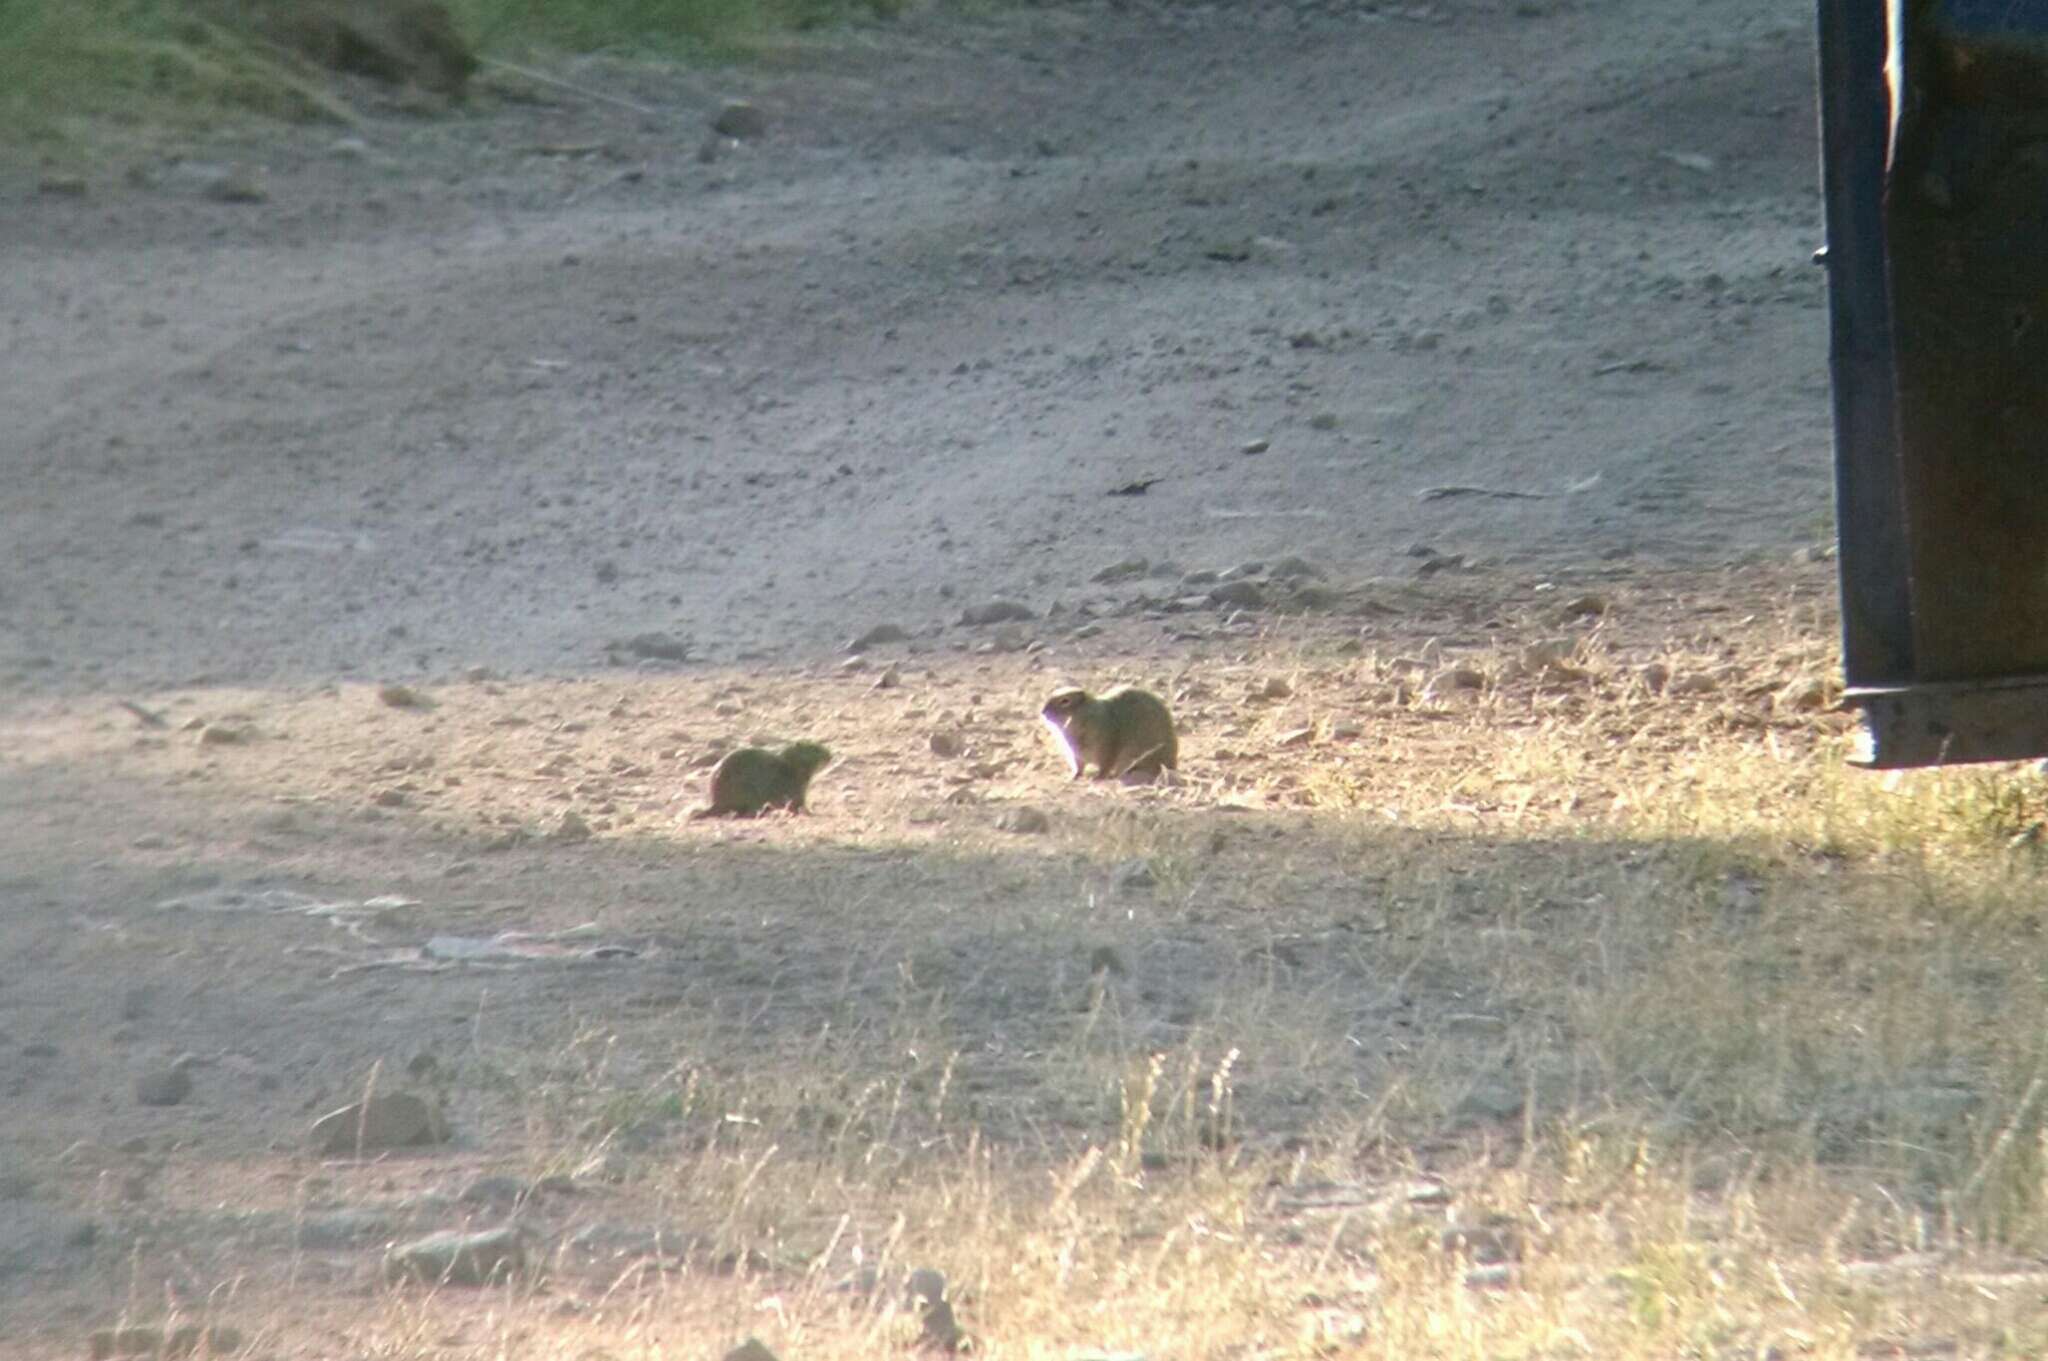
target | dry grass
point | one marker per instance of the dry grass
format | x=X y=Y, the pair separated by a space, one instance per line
x=1581 y=1014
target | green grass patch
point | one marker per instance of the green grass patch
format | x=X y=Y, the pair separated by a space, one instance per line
x=674 y=28
x=142 y=65
x=73 y=70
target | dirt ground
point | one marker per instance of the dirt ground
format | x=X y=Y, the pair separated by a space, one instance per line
x=1474 y=306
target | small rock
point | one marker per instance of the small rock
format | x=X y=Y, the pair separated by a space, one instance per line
x=851 y=664
x=493 y=1190
x=1255 y=446
x=740 y=119
x=1539 y=657
x=607 y=572
x=1105 y=960
x=1123 y=570
x=753 y=1349
x=997 y=612
x=456 y=1258
x=946 y=745
x=1323 y=420
x=1583 y=607
x=1294 y=737
x=878 y=635
x=572 y=827
x=1654 y=676
x=1135 y=876
x=1275 y=687
x=222 y=735
x=166 y=1086
x=1292 y=568
x=1239 y=595
x=342 y=1229
x=1025 y=821
x=396 y=1120
x=1240 y=571
x=236 y=186
x=1451 y=680
x=661 y=647
x=890 y=679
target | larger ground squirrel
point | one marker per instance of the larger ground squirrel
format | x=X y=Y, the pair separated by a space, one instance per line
x=752 y=780
x=1122 y=732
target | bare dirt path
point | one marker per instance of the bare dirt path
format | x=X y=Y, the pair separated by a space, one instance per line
x=444 y=400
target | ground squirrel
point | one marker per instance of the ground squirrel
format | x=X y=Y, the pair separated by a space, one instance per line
x=1122 y=732
x=752 y=780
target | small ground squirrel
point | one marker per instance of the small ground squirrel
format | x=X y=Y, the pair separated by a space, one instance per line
x=1122 y=732
x=752 y=780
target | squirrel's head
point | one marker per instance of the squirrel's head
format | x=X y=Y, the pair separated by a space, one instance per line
x=806 y=758
x=1064 y=704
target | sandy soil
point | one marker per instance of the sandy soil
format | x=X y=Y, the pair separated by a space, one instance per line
x=1516 y=295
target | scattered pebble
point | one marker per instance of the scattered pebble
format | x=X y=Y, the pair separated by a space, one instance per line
x=342 y=1229
x=878 y=635
x=946 y=745
x=1025 y=821
x=1239 y=595
x=166 y=1086
x=456 y=1258
x=661 y=647
x=1323 y=420
x=222 y=735
x=1273 y=687
x=1451 y=680
x=997 y=612
x=236 y=186
x=740 y=119
x=1122 y=570
x=395 y=1120
x=493 y=1190
x=1255 y=446
x=890 y=679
